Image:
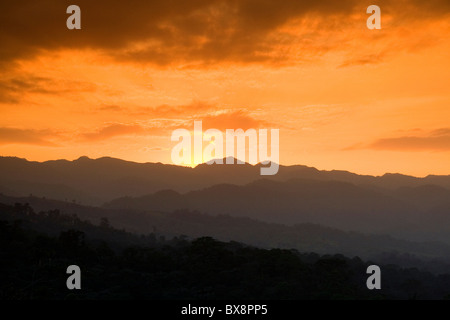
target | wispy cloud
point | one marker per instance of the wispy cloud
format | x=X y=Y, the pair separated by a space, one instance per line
x=232 y=120
x=436 y=140
x=118 y=129
x=26 y=136
x=170 y=111
x=14 y=89
x=163 y=127
x=364 y=60
x=113 y=108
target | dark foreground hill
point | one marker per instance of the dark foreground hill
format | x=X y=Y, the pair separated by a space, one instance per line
x=433 y=256
x=204 y=268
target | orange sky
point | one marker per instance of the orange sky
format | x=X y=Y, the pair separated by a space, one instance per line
x=343 y=97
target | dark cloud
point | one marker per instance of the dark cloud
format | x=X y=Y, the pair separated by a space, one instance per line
x=177 y=30
x=26 y=136
x=437 y=140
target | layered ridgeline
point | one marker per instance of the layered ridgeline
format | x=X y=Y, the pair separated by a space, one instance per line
x=409 y=212
x=38 y=247
x=406 y=207
x=95 y=181
x=432 y=256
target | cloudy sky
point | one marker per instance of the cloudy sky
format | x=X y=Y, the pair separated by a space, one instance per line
x=343 y=96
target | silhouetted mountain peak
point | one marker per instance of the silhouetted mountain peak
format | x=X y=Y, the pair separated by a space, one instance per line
x=224 y=160
x=83 y=158
x=232 y=160
x=398 y=175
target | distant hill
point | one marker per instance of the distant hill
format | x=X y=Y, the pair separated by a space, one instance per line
x=95 y=181
x=417 y=213
x=305 y=237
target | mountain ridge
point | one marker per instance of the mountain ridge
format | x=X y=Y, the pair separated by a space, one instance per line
x=95 y=181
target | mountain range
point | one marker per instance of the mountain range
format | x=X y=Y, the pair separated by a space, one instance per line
x=95 y=181
x=406 y=207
